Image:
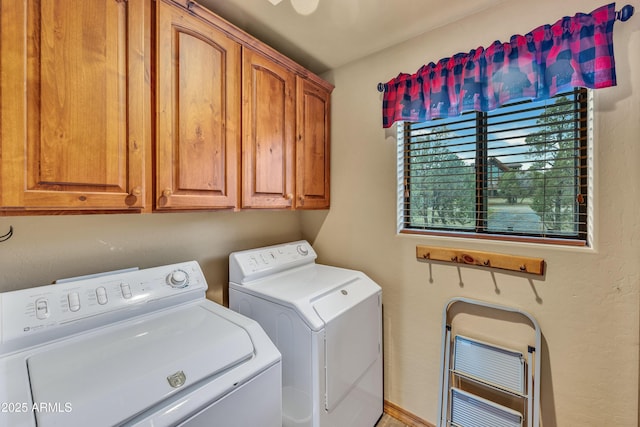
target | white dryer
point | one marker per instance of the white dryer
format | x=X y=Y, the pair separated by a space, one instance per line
x=327 y=323
x=134 y=348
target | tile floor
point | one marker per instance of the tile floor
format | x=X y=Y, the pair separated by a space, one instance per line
x=387 y=421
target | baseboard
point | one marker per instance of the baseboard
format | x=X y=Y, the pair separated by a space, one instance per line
x=405 y=416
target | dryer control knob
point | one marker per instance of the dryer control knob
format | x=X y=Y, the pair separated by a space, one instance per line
x=178 y=279
x=302 y=250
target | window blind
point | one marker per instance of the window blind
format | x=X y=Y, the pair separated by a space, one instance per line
x=518 y=170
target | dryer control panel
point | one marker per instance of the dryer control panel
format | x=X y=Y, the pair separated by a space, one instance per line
x=81 y=303
x=252 y=264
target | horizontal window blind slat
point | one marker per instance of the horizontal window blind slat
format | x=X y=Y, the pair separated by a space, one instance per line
x=519 y=170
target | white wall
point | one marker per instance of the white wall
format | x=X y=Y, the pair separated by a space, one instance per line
x=587 y=304
x=45 y=248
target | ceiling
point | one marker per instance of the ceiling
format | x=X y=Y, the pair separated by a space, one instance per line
x=340 y=31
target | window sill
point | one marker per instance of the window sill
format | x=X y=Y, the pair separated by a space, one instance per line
x=498 y=237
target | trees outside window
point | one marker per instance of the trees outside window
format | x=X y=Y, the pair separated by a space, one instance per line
x=519 y=170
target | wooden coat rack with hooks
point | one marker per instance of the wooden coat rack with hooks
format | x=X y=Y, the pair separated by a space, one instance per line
x=482 y=258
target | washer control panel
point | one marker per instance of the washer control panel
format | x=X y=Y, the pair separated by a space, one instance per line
x=46 y=308
x=255 y=263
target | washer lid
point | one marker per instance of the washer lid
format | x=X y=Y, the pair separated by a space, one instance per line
x=114 y=374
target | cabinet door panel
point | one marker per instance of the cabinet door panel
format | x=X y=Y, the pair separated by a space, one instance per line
x=81 y=78
x=268 y=127
x=76 y=119
x=312 y=165
x=200 y=109
x=198 y=121
x=269 y=121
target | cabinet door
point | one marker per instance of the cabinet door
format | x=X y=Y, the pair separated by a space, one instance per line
x=268 y=121
x=312 y=147
x=75 y=104
x=198 y=96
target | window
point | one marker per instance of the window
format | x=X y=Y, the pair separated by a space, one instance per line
x=517 y=172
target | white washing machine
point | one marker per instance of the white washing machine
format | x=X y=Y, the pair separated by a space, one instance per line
x=327 y=323
x=134 y=348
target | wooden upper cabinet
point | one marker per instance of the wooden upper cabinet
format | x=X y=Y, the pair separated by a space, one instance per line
x=75 y=104
x=268 y=122
x=312 y=146
x=237 y=125
x=198 y=113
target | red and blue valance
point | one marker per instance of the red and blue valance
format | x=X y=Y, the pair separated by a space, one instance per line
x=576 y=51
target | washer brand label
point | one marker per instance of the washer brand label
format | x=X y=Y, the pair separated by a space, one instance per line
x=177 y=380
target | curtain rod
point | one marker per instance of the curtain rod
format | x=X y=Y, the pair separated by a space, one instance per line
x=621 y=15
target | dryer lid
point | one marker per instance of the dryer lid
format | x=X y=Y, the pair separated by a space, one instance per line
x=304 y=288
x=117 y=373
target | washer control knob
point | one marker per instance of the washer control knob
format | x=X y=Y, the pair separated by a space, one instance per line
x=74 y=301
x=126 y=290
x=42 y=308
x=178 y=279
x=302 y=250
x=101 y=294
